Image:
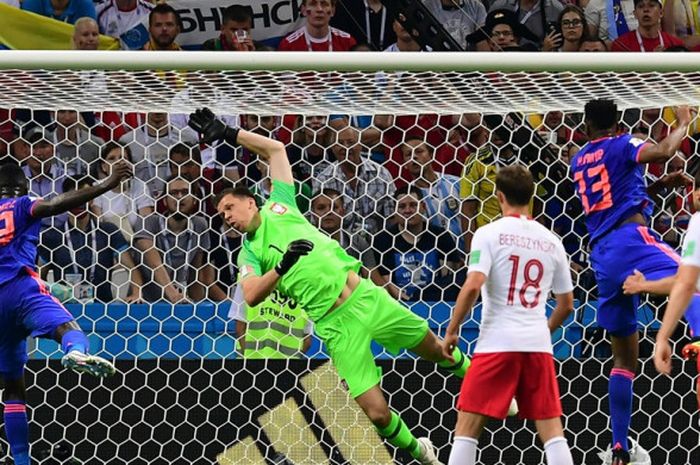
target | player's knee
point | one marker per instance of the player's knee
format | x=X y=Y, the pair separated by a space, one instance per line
x=380 y=417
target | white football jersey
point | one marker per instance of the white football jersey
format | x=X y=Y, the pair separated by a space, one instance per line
x=691 y=244
x=523 y=262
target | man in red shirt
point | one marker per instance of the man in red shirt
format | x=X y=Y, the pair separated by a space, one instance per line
x=317 y=35
x=648 y=37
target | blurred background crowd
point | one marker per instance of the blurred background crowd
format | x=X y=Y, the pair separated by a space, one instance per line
x=403 y=193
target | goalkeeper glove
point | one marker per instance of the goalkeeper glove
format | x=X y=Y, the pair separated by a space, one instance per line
x=295 y=251
x=211 y=129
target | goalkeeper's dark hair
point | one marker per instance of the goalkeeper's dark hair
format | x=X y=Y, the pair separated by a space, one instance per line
x=515 y=182
x=406 y=190
x=241 y=191
x=11 y=174
x=696 y=184
x=238 y=13
x=601 y=114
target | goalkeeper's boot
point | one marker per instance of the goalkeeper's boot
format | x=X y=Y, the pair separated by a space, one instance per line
x=428 y=456
x=90 y=364
x=620 y=456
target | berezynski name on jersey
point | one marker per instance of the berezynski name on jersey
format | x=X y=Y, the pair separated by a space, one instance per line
x=525 y=242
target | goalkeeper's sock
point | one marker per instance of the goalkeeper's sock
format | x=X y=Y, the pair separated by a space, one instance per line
x=459 y=366
x=17 y=431
x=557 y=452
x=74 y=340
x=692 y=315
x=620 y=393
x=463 y=451
x=398 y=434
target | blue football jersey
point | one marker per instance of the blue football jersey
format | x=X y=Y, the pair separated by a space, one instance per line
x=610 y=183
x=19 y=236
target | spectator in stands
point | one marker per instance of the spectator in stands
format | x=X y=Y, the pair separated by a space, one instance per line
x=235 y=34
x=175 y=248
x=570 y=33
x=648 y=37
x=368 y=187
x=404 y=40
x=276 y=328
x=310 y=146
x=478 y=184
x=317 y=35
x=609 y=19
x=417 y=260
x=164 y=25
x=84 y=253
x=593 y=44
x=680 y=19
x=76 y=148
x=68 y=11
x=327 y=213
x=441 y=202
x=86 y=34
x=225 y=245
x=459 y=17
x=149 y=145
x=44 y=173
x=368 y=22
x=126 y=205
x=530 y=14
x=117 y=17
x=503 y=31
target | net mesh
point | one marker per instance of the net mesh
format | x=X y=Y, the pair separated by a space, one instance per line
x=183 y=392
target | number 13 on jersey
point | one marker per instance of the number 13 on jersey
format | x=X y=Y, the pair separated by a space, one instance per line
x=599 y=181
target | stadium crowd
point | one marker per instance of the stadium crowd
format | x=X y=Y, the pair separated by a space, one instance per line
x=403 y=193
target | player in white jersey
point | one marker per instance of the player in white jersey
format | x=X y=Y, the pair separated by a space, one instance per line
x=685 y=284
x=515 y=262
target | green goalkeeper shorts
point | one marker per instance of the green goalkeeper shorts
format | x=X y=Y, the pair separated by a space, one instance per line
x=370 y=313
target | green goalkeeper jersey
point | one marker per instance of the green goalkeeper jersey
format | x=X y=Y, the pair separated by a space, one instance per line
x=316 y=280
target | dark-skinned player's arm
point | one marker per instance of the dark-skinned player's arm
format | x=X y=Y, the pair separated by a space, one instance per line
x=211 y=129
x=665 y=149
x=121 y=171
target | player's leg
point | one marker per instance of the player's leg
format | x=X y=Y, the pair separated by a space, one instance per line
x=615 y=257
x=392 y=428
x=556 y=448
x=538 y=394
x=44 y=316
x=15 y=416
x=486 y=392
x=430 y=349
x=466 y=439
x=347 y=334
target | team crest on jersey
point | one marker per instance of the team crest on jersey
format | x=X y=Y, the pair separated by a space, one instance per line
x=246 y=270
x=278 y=208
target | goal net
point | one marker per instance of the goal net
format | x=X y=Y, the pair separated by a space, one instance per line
x=442 y=123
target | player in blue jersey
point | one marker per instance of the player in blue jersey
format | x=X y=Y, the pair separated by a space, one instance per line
x=609 y=175
x=26 y=306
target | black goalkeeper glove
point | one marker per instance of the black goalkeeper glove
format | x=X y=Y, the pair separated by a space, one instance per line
x=295 y=251
x=211 y=129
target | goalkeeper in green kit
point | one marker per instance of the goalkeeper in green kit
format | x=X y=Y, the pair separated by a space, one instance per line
x=283 y=251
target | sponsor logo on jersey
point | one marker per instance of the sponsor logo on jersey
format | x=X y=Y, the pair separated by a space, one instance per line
x=278 y=208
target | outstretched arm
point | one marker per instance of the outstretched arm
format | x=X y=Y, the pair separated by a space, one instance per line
x=64 y=202
x=211 y=129
x=665 y=149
